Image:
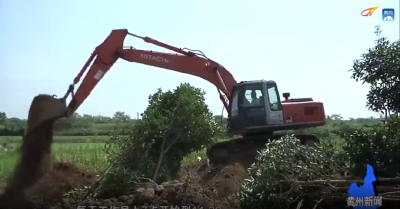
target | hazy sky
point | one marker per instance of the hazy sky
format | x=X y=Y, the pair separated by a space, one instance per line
x=307 y=47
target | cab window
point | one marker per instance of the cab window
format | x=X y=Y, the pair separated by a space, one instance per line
x=273 y=96
x=253 y=97
x=234 y=105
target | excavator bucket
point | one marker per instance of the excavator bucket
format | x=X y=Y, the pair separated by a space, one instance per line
x=45 y=108
x=35 y=150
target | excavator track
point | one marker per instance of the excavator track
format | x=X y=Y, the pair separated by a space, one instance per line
x=245 y=149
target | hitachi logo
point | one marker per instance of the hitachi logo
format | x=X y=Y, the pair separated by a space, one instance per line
x=153 y=57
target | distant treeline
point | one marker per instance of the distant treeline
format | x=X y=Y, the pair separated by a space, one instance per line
x=77 y=125
x=89 y=125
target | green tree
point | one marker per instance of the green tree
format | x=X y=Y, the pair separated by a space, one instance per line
x=121 y=116
x=3 y=118
x=380 y=68
x=379 y=145
x=175 y=124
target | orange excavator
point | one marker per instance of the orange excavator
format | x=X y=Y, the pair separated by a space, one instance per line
x=255 y=110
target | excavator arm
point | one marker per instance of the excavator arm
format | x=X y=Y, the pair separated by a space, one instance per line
x=184 y=61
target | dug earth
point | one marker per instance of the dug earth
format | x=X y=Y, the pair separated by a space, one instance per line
x=197 y=185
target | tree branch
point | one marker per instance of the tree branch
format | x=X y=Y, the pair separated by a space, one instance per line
x=162 y=151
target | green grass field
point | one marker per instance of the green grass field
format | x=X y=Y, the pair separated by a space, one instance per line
x=88 y=155
x=84 y=151
x=60 y=139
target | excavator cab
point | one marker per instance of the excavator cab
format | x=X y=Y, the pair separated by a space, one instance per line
x=254 y=105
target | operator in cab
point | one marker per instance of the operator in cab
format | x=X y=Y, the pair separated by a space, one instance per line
x=254 y=99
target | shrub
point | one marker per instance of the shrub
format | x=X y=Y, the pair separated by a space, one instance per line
x=174 y=125
x=378 y=147
x=282 y=163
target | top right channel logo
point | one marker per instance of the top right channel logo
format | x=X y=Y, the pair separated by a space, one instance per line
x=388 y=14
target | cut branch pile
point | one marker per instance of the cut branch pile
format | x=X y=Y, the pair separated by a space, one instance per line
x=336 y=190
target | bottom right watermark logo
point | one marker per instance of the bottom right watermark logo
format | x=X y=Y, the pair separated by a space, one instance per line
x=364 y=196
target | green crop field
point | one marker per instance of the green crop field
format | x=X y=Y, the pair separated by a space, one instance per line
x=89 y=155
x=60 y=139
x=74 y=149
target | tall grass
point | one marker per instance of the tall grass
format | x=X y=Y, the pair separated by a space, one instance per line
x=88 y=155
x=60 y=139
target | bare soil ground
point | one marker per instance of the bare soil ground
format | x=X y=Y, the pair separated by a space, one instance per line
x=196 y=186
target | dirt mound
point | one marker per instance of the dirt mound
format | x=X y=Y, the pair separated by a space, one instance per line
x=61 y=179
x=224 y=180
x=197 y=185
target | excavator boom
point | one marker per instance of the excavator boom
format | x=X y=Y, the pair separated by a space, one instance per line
x=183 y=61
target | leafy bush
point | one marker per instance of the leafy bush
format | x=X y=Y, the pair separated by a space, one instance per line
x=174 y=125
x=378 y=147
x=272 y=177
x=275 y=177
